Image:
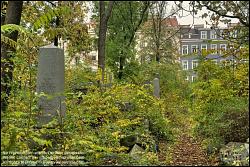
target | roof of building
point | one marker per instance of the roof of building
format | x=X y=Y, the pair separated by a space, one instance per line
x=171 y=21
x=168 y=22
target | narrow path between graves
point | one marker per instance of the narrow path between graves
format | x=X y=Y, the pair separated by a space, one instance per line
x=187 y=151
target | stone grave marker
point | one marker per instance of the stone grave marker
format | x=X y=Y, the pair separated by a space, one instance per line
x=156 y=85
x=110 y=78
x=50 y=81
x=233 y=152
x=136 y=152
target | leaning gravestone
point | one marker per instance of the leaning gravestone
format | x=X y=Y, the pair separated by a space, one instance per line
x=50 y=81
x=156 y=85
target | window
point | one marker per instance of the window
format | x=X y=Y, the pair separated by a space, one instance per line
x=194 y=48
x=214 y=47
x=142 y=44
x=184 y=64
x=222 y=34
x=203 y=47
x=93 y=57
x=214 y=61
x=235 y=34
x=193 y=78
x=213 y=34
x=189 y=35
x=244 y=60
x=203 y=34
x=185 y=49
x=148 y=58
x=194 y=64
x=223 y=47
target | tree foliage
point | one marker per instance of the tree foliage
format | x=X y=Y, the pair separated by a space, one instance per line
x=126 y=19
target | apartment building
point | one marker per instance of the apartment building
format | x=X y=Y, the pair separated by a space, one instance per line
x=194 y=40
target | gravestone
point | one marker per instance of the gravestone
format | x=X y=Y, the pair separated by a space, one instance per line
x=126 y=106
x=156 y=85
x=50 y=81
x=146 y=124
x=235 y=152
x=136 y=152
x=110 y=78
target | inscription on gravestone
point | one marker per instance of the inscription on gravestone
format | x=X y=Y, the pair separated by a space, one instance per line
x=50 y=81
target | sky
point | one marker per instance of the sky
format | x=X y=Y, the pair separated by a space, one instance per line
x=184 y=18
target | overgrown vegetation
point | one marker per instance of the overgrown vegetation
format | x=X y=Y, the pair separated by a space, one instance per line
x=220 y=103
x=105 y=118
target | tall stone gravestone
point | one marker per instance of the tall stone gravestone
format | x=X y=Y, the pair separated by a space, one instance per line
x=156 y=85
x=110 y=77
x=50 y=81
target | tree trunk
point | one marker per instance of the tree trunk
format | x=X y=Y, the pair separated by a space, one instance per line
x=13 y=16
x=101 y=44
x=157 y=56
x=104 y=16
x=57 y=25
x=56 y=39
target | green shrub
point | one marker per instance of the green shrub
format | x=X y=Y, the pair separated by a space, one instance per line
x=220 y=112
x=97 y=125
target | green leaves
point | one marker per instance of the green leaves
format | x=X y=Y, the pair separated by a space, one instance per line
x=9 y=28
x=8 y=41
x=42 y=142
x=47 y=17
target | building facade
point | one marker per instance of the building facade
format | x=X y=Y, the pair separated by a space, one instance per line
x=196 y=40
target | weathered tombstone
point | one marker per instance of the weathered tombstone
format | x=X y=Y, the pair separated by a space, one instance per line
x=136 y=152
x=126 y=106
x=146 y=124
x=50 y=81
x=110 y=78
x=156 y=85
x=234 y=152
